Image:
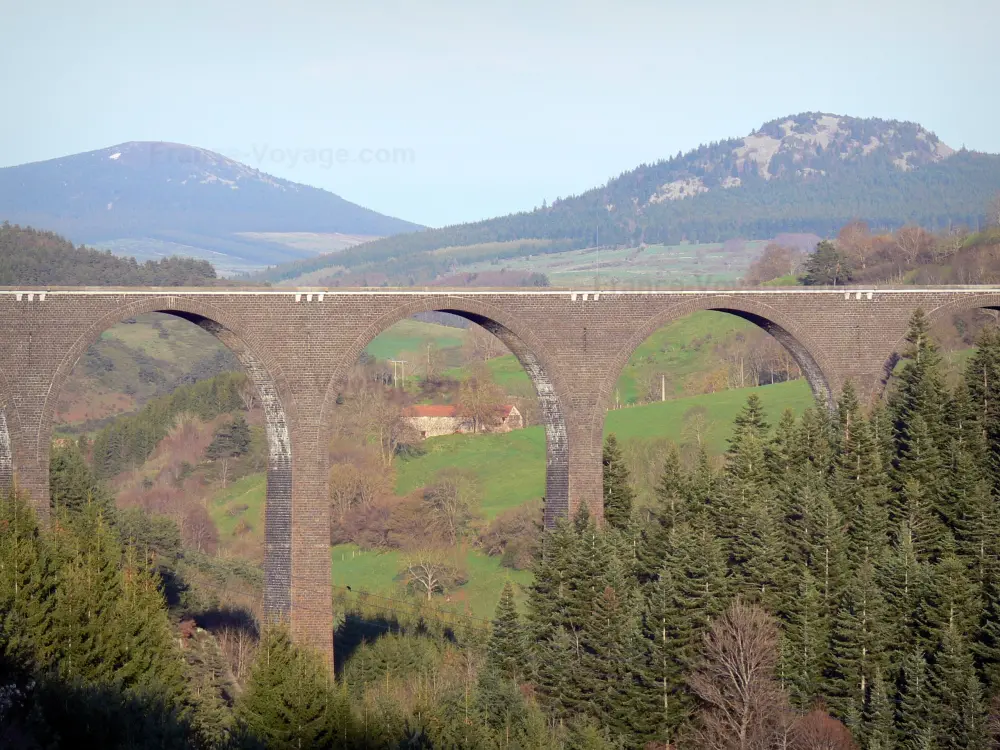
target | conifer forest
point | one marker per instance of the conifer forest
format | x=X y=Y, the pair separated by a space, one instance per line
x=833 y=583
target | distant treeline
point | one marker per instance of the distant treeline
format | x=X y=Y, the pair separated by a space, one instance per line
x=129 y=441
x=936 y=196
x=31 y=257
x=415 y=260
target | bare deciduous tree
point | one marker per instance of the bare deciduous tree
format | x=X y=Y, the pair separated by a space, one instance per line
x=451 y=499
x=914 y=244
x=239 y=646
x=247 y=392
x=373 y=414
x=856 y=242
x=696 y=425
x=743 y=706
x=776 y=261
x=198 y=530
x=742 y=363
x=710 y=381
x=358 y=482
x=431 y=571
x=480 y=399
x=482 y=346
x=817 y=730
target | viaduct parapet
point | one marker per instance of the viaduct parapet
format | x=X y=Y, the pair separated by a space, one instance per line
x=297 y=344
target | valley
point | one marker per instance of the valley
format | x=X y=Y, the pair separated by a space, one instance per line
x=506 y=376
x=723 y=480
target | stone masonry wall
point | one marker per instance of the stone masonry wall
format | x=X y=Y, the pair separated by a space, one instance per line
x=296 y=344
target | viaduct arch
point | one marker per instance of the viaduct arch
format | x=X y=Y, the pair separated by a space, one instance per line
x=531 y=355
x=296 y=346
x=267 y=381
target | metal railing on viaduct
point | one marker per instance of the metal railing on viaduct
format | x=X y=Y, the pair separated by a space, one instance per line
x=297 y=344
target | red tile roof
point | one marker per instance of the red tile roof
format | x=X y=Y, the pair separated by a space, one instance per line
x=445 y=410
x=431 y=410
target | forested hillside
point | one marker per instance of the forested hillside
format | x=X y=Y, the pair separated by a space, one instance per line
x=31 y=257
x=809 y=173
x=835 y=584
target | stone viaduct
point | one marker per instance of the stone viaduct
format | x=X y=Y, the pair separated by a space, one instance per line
x=297 y=344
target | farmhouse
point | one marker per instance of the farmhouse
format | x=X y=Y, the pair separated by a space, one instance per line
x=432 y=420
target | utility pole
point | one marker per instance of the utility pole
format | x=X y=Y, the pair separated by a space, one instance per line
x=402 y=368
x=663 y=387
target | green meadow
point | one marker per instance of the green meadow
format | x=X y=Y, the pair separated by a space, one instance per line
x=511 y=470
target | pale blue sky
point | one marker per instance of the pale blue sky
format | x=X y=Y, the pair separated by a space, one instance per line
x=494 y=105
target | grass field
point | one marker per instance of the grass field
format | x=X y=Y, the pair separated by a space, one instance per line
x=511 y=466
x=651 y=266
x=183 y=345
x=249 y=491
x=131 y=363
x=412 y=337
x=511 y=470
x=379 y=573
x=680 y=349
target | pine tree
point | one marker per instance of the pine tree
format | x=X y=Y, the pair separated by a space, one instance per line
x=915 y=727
x=764 y=572
x=858 y=482
x=883 y=433
x=807 y=637
x=858 y=643
x=450 y=721
x=827 y=266
x=231 y=440
x=549 y=621
x=701 y=493
x=781 y=452
x=500 y=703
x=614 y=650
x=900 y=579
x=673 y=507
x=584 y=733
x=920 y=426
x=211 y=682
x=957 y=698
x=751 y=417
x=72 y=485
x=815 y=538
x=947 y=602
x=812 y=447
x=977 y=533
x=87 y=598
x=877 y=722
x=505 y=653
x=982 y=385
x=744 y=496
x=288 y=702
x=671 y=492
x=680 y=603
x=140 y=640
x=618 y=495
x=913 y=508
x=27 y=585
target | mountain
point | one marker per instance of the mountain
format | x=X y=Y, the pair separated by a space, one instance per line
x=807 y=173
x=156 y=199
